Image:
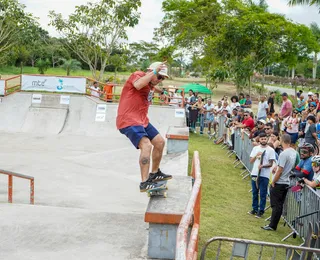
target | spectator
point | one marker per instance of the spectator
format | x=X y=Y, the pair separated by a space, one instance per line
x=248 y=121
x=234 y=102
x=248 y=103
x=274 y=139
x=301 y=104
x=217 y=111
x=271 y=103
x=280 y=183
x=312 y=109
x=263 y=108
x=286 y=109
x=195 y=108
x=311 y=134
x=189 y=103
x=95 y=90
x=270 y=118
x=292 y=126
x=304 y=168
x=242 y=100
x=108 y=91
x=209 y=115
x=310 y=97
x=316 y=99
x=276 y=124
x=315 y=183
x=226 y=106
x=260 y=129
x=268 y=129
x=262 y=166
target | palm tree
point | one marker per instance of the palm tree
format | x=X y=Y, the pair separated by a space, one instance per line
x=70 y=65
x=316 y=32
x=305 y=2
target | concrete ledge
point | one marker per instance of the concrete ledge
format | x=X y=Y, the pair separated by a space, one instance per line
x=164 y=216
x=178 y=139
x=178 y=133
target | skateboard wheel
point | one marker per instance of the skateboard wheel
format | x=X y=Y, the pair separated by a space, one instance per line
x=165 y=194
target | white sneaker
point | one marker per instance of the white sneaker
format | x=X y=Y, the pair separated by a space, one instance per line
x=209 y=132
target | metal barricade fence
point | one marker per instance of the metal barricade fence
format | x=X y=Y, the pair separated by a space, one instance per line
x=221 y=127
x=300 y=208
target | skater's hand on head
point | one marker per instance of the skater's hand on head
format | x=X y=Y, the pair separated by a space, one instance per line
x=161 y=66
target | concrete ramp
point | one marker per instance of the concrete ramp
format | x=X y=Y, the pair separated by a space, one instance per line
x=13 y=111
x=45 y=120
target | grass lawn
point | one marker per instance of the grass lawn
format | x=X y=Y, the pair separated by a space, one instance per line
x=226 y=201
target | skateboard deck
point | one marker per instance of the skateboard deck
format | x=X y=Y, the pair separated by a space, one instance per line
x=259 y=172
x=160 y=191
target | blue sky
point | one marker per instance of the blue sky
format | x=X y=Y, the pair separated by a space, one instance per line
x=151 y=14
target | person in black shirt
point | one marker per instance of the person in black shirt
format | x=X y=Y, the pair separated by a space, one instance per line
x=271 y=102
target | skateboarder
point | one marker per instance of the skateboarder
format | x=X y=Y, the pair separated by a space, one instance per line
x=133 y=121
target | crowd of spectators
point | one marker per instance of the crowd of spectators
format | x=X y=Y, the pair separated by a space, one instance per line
x=285 y=143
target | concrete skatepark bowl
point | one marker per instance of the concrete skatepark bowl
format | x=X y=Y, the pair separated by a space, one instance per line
x=87 y=200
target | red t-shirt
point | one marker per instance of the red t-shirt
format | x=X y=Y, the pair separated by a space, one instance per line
x=134 y=104
x=249 y=122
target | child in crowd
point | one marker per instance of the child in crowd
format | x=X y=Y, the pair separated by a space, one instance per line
x=315 y=183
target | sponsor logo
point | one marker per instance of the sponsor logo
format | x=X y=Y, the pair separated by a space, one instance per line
x=60 y=86
x=38 y=83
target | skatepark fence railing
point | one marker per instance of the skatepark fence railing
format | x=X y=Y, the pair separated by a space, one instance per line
x=240 y=249
x=10 y=184
x=12 y=85
x=300 y=208
x=188 y=249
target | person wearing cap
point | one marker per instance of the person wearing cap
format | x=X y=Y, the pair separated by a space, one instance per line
x=257 y=131
x=247 y=122
x=285 y=110
x=310 y=97
x=132 y=121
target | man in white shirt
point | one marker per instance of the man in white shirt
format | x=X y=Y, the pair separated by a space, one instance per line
x=208 y=114
x=263 y=108
x=262 y=157
x=95 y=91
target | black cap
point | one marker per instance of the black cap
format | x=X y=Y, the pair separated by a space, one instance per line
x=284 y=94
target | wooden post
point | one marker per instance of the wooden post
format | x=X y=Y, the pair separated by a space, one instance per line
x=10 y=186
x=32 y=191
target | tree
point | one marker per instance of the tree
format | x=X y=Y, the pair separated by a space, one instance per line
x=315 y=29
x=13 y=21
x=70 y=65
x=42 y=65
x=93 y=30
x=305 y=2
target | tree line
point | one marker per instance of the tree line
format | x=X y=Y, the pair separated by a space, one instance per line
x=217 y=39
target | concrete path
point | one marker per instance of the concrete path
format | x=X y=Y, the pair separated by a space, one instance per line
x=290 y=91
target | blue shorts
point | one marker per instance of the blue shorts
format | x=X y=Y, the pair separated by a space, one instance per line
x=135 y=133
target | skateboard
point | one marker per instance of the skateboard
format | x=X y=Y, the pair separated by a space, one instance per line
x=160 y=191
x=259 y=172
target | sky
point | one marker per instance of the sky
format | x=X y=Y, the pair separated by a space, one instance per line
x=151 y=14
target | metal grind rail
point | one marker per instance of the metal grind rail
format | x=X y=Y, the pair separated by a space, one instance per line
x=189 y=249
x=240 y=249
x=10 y=184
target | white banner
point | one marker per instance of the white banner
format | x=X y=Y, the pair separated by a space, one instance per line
x=100 y=117
x=64 y=100
x=180 y=113
x=101 y=108
x=53 y=84
x=36 y=98
x=2 y=87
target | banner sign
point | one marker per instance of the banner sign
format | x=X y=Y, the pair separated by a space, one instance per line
x=100 y=117
x=53 y=84
x=101 y=108
x=2 y=87
x=180 y=113
x=64 y=100
x=36 y=98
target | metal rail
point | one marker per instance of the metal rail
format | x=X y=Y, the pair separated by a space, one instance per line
x=10 y=184
x=188 y=249
x=243 y=246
